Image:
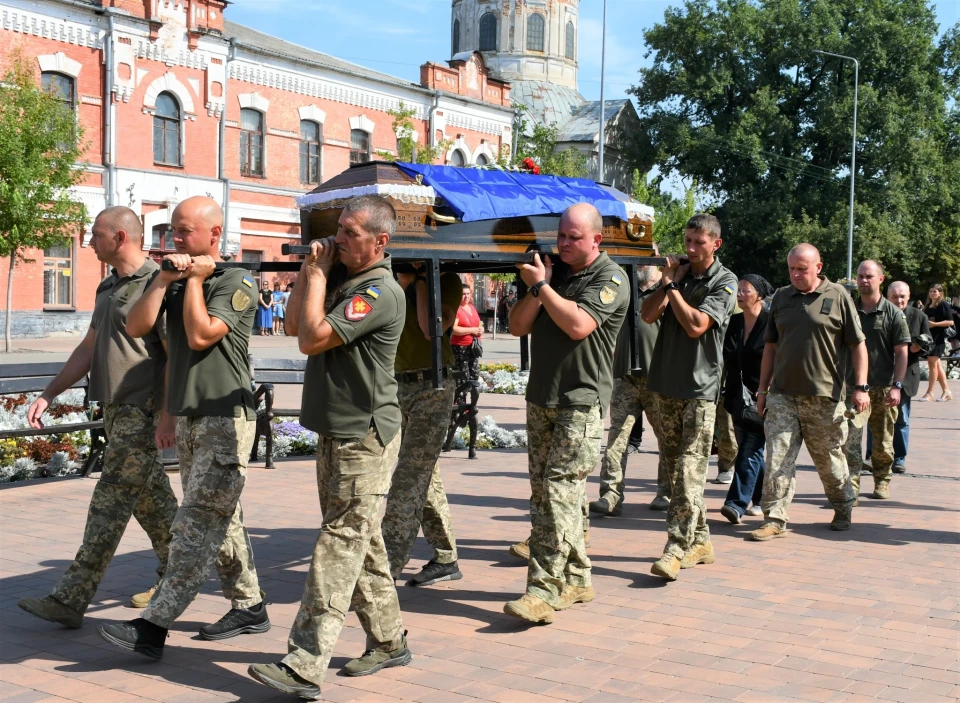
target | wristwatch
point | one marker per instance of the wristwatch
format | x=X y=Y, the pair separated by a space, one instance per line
x=898 y=385
x=535 y=288
x=865 y=388
x=672 y=285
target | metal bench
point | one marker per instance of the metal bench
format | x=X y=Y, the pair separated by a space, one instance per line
x=30 y=378
x=951 y=361
x=268 y=373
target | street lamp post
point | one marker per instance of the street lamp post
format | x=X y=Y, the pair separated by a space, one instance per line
x=603 y=60
x=853 y=154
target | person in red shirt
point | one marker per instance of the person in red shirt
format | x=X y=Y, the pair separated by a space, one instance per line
x=466 y=329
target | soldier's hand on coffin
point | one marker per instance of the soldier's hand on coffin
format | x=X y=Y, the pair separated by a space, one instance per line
x=323 y=255
x=203 y=267
x=533 y=273
x=183 y=264
x=675 y=269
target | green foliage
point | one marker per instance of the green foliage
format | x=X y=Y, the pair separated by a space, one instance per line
x=502 y=366
x=736 y=100
x=39 y=145
x=541 y=146
x=407 y=147
x=670 y=213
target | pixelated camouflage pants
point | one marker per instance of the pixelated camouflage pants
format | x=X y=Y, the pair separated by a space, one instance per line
x=881 y=420
x=726 y=440
x=629 y=400
x=349 y=566
x=209 y=527
x=416 y=498
x=821 y=424
x=133 y=482
x=686 y=435
x=563 y=449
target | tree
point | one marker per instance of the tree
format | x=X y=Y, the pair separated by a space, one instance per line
x=500 y=283
x=408 y=149
x=737 y=101
x=541 y=146
x=670 y=213
x=39 y=146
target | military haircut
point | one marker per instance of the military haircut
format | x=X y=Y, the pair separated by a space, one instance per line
x=381 y=217
x=708 y=224
x=121 y=217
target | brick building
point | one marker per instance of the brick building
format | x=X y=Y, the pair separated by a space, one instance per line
x=175 y=100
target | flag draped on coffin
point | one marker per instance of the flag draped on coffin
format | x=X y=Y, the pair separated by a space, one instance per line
x=479 y=194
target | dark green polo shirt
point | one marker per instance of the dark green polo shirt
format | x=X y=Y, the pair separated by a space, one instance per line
x=687 y=368
x=125 y=370
x=413 y=352
x=216 y=381
x=884 y=328
x=810 y=331
x=564 y=371
x=350 y=388
x=646 y=337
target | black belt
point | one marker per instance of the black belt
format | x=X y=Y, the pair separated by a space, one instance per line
x=420 y=376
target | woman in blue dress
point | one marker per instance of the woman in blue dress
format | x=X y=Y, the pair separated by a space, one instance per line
x=277 y=309
x=265 y=311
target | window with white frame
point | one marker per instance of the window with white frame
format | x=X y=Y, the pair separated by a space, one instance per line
x=58 y=276
x=535 y=32
x=311 y=136
x=571 y=46
x=251 y=142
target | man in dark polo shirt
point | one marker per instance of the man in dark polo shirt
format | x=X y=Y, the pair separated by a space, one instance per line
x=887 y=337
x=694 y=302
x=801 y=389
x=126 y=377
x=347 y=313
x=416 y=496
x=209 y=320
x=574 y=325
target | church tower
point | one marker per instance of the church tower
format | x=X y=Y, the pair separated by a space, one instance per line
x=530 y=43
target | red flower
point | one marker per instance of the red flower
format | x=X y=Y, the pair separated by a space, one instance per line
x=532 y=166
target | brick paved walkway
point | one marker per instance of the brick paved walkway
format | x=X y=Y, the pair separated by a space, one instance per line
x=820 y=616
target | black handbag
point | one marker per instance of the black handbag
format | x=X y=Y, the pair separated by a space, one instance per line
x=476 y=348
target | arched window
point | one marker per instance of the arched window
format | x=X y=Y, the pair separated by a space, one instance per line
x=456 y=37
x=488 y=32
x=571 y=41
x=359 y=146
x=311 y=134
x=456 y=158
x=535 y=32
x=63 y=89
x=166 y=131
x=482 y=160
x=251 y=142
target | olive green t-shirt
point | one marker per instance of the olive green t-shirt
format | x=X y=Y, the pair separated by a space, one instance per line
x=810 y=331
x=214 y=382
x=646 y=337
x=565 y=371
x=884 y=329
x=413 y=352
x=125 y=370
x=688 y=368
x=351 y=387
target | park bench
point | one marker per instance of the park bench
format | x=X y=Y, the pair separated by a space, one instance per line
x=268 y=373
x=30 y=378
x=951 y=361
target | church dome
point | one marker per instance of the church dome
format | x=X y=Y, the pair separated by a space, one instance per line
x=546 y=102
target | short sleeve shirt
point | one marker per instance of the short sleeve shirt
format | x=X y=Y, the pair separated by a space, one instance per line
x=810 y=331
x=413 y=352
x=214 y=382
x=351 y=388
x=125 y=370
x=688 y=368
x=884 y=328
x=564 y=371
x=646 y=338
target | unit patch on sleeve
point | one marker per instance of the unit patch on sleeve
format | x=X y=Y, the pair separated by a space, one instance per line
x=357 y=309
x=240 y=300
x=607 y=295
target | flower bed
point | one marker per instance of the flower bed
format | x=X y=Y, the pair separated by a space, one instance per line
x=503 y=378
x=23 y=458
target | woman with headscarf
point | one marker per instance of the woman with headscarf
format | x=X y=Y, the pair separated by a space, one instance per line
x=742 y=354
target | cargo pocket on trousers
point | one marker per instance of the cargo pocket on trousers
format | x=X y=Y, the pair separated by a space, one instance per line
x=361 y=468
x=219 y=485
x=339 y=603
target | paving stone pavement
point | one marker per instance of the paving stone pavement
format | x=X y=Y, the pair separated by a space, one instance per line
x=869 y=614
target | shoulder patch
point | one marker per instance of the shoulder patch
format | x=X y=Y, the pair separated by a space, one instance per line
x=240 y=300
x=373 y=292
x=356 y=309
x=607 y=295
x=616 y=279
x=247 y=281
x=728 y=289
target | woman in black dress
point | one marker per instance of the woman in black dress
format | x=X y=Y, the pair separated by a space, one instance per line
x=941 y=317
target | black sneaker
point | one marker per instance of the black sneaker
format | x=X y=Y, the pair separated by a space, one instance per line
x=140 y=636
x=432 y=573
x=283 y=678
x=238 y=622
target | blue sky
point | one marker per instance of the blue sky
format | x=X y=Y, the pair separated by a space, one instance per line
x=396 y=36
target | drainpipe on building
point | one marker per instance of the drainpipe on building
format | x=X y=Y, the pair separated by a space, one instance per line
x=108 y=136
x=221 y=160
x=433 y=110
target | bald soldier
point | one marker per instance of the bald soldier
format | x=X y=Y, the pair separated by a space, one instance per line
x=887 y=337
x=126 y=378
x=210 y=316
x=801 y=389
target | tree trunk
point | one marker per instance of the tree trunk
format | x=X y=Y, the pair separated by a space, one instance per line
x=8 y=322
x=496 y=304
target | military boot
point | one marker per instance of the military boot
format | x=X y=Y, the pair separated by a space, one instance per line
x=531 y=609
x=667 y=567
x=142 y=600
x=50 y=609
x=521 y=550
x=881 y=489
x=140 y=636
x=375 y=659
x=841 y=520
x=698 y=554
x=606 y=507
x=575 y=594
x=660 y=503
x=283 y=678
x=767 y=531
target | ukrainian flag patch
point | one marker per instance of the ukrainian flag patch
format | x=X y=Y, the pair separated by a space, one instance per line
x=373 y=292
x=247 y=281
x=728 y=289
x=616 y=279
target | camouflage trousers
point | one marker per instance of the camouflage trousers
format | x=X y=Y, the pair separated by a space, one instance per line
x=726 y=440
x=881 y=420
x=209 y=527
x=416 y=498
x=686 y=435
x=629 y=400
x=133 y=482
x=563 y=449
x=349 y=566
x=819 y=422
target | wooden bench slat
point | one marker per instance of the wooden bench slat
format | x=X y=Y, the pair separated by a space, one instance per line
x=50 y=368
x=279 y=377
x=279 y=364
x=31 y=384
x=52 y=429
x=286 y=412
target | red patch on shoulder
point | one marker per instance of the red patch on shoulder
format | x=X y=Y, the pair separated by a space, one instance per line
x=357 y=309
